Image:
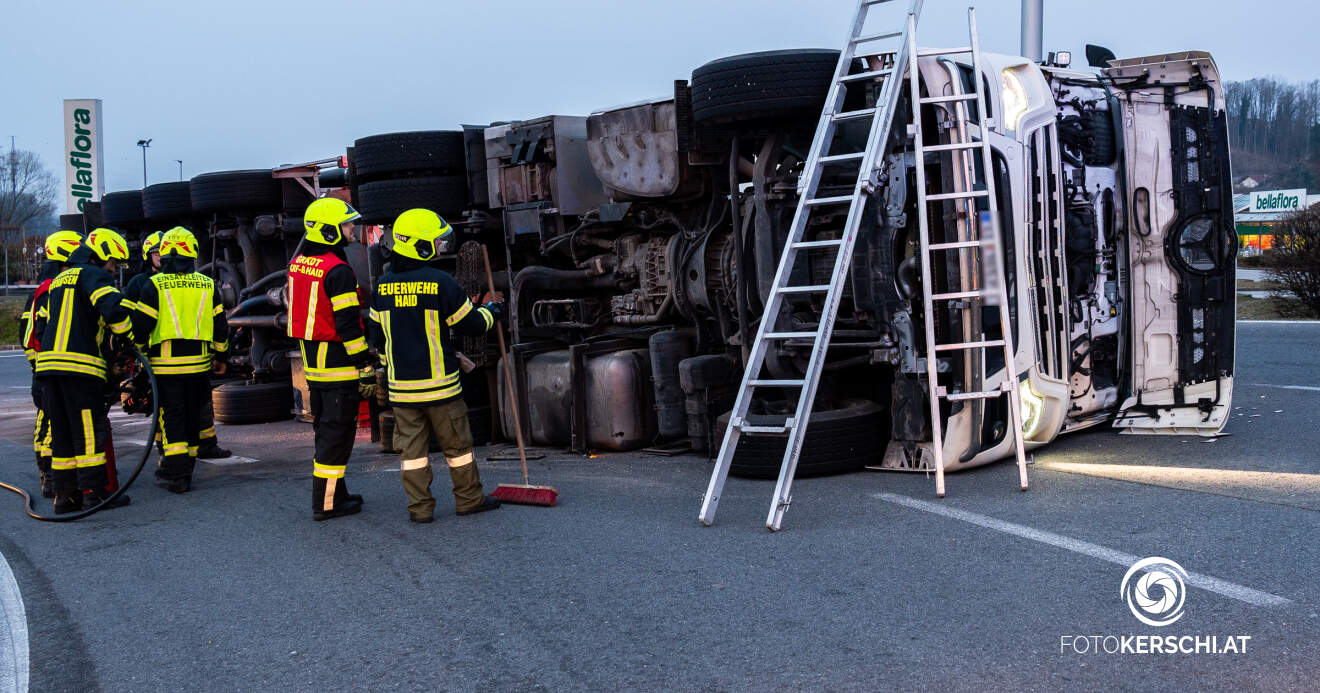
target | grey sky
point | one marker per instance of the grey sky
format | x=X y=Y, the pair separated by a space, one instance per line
x=251 y=84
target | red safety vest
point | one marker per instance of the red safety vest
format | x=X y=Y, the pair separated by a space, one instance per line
x=311 y=316
x=34 y=339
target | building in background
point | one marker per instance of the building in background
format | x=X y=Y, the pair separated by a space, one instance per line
x=1256 y=213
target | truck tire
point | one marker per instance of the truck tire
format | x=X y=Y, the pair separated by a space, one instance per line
x=382 y=201
x=238 y=403
x=425 y=151
x=763 y=85
x=296 y=197
x=252 y=190
x=167 y=200
x=838 y=440
x=123 y=207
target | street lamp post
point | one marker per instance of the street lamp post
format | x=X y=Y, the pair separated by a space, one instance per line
x=1033 y=29
x=144 y=144
x=180 y=163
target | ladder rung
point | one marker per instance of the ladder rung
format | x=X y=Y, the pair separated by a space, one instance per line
x=951 y=97
x=959 y=244
x=748 y=428
x=839 y=158
x=818 y=244
x=790 y=335
x=964 y=346
x=979 y=293
x=853 y=115
x=776 y=383
x=809 y=289
x=869 y=74
x=960 y=396
x=930 y=52
x=877 y=37
x=951 y=147
x=828 y=200
x=957 y=195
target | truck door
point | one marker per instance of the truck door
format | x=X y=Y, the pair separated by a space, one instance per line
x=1181 y=246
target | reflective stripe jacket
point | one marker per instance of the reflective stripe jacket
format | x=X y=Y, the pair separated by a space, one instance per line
x=33 y=321
x=82 y=303
x=133 y=289
x=413 y=311
x=325 y=316
x=181 y=319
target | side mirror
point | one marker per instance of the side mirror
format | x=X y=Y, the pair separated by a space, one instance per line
x=1098 y=56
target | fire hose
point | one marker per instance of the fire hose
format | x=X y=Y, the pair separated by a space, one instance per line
x=123 y=488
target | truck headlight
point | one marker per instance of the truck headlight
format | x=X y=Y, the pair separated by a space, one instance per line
x=1032 y=406
x=1014 y=97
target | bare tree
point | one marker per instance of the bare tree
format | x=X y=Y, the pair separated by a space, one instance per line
x=28 y=190
x=1297 y=257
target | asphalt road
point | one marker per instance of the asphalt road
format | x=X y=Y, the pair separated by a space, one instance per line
x=873 y=584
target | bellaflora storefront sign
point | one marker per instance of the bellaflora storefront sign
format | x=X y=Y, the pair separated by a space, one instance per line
x=1277 y=200
x=84 y=168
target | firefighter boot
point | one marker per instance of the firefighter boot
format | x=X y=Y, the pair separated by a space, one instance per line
x=93 y=498
x=68 y=502
x=47 y=480
x=210 y=450
x=468 y=496
x=331 y=499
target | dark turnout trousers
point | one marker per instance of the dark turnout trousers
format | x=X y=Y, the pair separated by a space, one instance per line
x=334 y=421
x=448 y=422
x=41 y=441
x=182 y=398
x=79 y=430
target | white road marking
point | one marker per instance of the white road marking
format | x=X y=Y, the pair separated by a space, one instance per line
x=11 y=355
x=232 y=459
x=14 y=637
x=1309 y=388
x=1205 y=582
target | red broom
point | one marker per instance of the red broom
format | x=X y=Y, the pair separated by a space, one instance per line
x=524 y=493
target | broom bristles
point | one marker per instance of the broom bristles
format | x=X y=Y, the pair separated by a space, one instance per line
x=523 y=494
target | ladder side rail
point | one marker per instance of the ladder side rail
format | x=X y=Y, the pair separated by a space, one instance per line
x=1005 y=319
x=932 y=366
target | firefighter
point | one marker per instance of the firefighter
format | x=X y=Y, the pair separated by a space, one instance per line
x=81 y=303
x=325 y=316
x=413 y=309
x=209 y=448
x=180 y=323
x=58 y=247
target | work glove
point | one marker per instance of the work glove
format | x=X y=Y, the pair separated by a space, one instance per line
x=496 y=309
x=364 y=359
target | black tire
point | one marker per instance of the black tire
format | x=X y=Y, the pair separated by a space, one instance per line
x=479 y=421
x=237 y=403
x=167 y=200
x=334 y=178
x=425 y=151
x=838 y=440
x=254 y=190
x=296 y=197
x=72 y=222
x=763 y=85
x=382 y=201
x=1099 y=149
x=123 y=207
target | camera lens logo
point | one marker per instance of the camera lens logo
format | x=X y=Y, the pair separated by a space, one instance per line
x=1156 y=594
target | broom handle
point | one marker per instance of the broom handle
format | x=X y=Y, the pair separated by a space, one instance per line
x=508 y=370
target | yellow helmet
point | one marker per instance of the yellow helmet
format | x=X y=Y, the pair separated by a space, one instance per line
x=417 y=233
x=107 y=245
x=151 y=243
x=324 y=217
x=178 y=242
x=61 y=244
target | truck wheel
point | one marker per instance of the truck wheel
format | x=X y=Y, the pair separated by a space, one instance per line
x=838 y=440
x=425 y=151
x=167 y=200
x=253 y=190
x=382 y=201
x=238 y=403
x=123 y=207
x=763 y=85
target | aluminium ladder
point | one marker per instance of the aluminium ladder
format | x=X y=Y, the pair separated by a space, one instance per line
x=976 y=232
x=888 y=74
